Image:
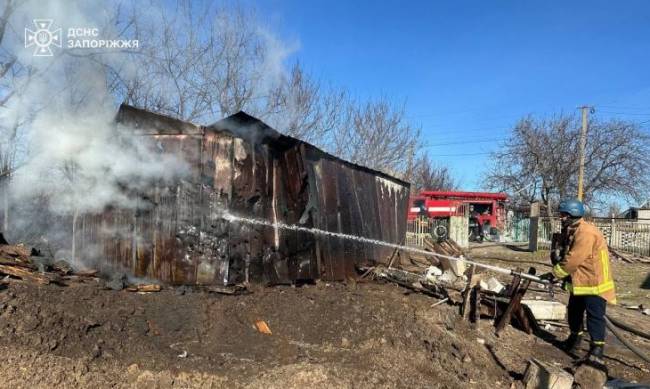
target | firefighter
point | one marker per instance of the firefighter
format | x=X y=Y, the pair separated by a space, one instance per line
x=584 y=267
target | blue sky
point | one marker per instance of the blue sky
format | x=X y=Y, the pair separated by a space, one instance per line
x=469 y=69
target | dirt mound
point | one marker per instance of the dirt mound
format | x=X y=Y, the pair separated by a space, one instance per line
x=324 y=335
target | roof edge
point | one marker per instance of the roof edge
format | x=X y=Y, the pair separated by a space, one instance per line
x=246 y=128
x=151 y=123
x=240 y=124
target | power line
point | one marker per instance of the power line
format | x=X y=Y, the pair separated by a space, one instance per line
x=459 y=155
x=467 y=112
x=443 y=130
x=624 y=107
x=462 y=142
x=468 y=130
x=625 y=113
x=452 y=137
x=434 y=130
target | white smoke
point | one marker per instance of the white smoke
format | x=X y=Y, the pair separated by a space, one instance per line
x=72 y=157
x=83 y=163
x=73 y=152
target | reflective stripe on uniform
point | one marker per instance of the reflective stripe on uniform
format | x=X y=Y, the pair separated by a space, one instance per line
x=559 y=272
x=590 y=290
x=604 y=260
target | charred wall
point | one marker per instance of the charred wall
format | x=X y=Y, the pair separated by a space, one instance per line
x=178 y=234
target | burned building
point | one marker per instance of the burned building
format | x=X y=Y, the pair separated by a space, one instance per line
x=241 y=166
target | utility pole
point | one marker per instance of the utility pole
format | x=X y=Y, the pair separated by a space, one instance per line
x=583 y=140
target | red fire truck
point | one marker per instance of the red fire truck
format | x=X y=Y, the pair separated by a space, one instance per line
x=486 y=211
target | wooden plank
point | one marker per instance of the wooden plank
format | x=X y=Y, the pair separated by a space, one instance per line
x=475 y=315
x=86 y=273
x=505 y=317
x=25 y=274
x=620 y=255
x=516 y=308
x=15 y=262
x=15 y=251
x=148 y=288
x=466 y=294
x=532 y=321
x=521 y=316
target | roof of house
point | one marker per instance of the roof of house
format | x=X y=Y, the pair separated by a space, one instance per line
x=240 y=125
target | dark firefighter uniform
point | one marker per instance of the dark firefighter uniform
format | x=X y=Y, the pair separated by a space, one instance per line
x=586 y=269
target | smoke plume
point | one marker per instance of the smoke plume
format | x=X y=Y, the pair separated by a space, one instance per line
x=71 y=158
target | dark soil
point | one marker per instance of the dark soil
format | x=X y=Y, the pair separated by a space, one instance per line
x=323 y=335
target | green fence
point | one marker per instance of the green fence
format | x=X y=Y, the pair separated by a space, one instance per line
x=621 y=234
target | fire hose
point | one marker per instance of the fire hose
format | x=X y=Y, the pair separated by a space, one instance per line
x=615 y=330
x=496 y=269
x=628 y=328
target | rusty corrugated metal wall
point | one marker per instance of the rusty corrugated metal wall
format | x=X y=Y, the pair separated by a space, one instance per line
x=242 y=165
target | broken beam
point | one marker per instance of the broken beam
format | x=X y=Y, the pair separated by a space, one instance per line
x=24 y=274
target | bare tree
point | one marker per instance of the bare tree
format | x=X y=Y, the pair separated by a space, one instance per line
x=541 y=159
x=427 y=175
x=11 y=71
x=200 y=63
x=377 y=134
x=302 y=108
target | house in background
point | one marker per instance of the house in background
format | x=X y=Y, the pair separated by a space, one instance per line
x=640 y=214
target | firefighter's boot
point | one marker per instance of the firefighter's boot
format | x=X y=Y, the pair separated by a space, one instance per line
x=570 y=345
x=594 y=358
x=595 y=354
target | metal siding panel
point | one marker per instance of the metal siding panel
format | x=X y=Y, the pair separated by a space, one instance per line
x=319 y=216
x=368 y=208
x=300 y=244
x=349 y=253
x=385 y=206
x=259 y=204
x=329 y=220
x=336 y=254
x=215 y=195
x=371 y=211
